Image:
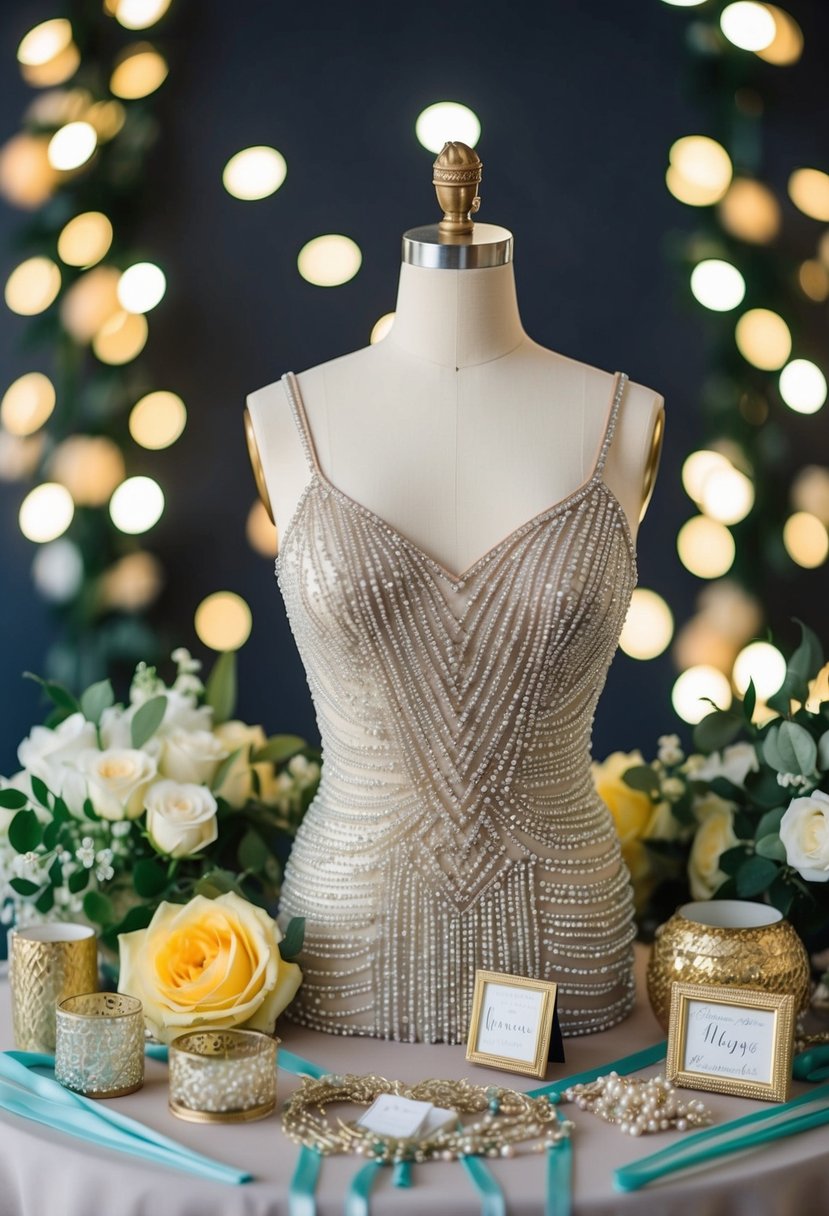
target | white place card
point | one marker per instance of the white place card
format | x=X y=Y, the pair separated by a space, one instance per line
x=391 y=1115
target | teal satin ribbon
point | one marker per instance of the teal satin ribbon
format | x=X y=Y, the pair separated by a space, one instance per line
x=627 y=1064
x=33 y=1096
x=747 y=1132
x=559 y=1179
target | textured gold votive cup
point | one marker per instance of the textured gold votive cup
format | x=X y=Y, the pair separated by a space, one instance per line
x=100 y=1044
x=223 y=1076
x=48 y=963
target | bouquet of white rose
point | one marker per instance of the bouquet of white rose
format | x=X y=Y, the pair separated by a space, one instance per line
x=118 y=808
x=738 y=818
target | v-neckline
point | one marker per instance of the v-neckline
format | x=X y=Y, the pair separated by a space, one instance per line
x=457 y=580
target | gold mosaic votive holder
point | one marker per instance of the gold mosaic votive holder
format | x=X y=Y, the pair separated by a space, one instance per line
x=100 y=1044
x=48 y=963
x=223 y=1076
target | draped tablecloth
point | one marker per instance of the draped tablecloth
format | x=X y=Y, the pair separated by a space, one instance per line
x=45 y=1173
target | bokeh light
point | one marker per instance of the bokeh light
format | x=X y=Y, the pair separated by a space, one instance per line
x=802 y=386
x=810 y=491
x=136 y=505
x=705 y=547
x=223 y=621
x=806 y=540
x=254 y=172
x=90 y=466
x=749 y=211
x=44 y=42
x=141 y=287
x=696 y=468
x=85 y=239
x=132 y=582
x=809 y=190
x=32 y=286
x=27 y=403
x=158 y=419
x=381 y=327
x=444 y=121
x=695 y=684
x=46 y=512
x=787 y=45
x=648 y=627
x=330 y=260
x=121 y=338
x=72 y=145
x=261 y=533
x=140 y=71
x=19 y=456
x=761 y=663
x=763 y=338
x=90 y=302
x=748 y=25
x=717 y=285
x=139 y=14
x=727 y=494
x=700 y=170
x=27 y=180
x=57 y=570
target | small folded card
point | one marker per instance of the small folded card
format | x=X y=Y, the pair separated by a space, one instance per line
x=391 y=1115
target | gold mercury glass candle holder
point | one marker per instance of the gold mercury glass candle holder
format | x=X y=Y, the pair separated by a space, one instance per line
x=100 y=1044
x=48 y=963
x=223 y=1076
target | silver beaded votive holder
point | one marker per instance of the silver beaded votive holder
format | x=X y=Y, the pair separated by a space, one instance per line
x=100 y=1044
x=223 y=1076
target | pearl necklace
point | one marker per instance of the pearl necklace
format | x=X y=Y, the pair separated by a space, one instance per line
x=638 y=1106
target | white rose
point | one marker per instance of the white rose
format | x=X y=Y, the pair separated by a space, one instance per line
x=713 y=837
x=117 y=779
x=237 y=786
x=191 y=755
x=183 y=713
x=181 y=817
x=734 y=763
x=45 y=751
x=804 y=830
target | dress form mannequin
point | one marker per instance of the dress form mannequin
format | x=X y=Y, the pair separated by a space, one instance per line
x=455 y=650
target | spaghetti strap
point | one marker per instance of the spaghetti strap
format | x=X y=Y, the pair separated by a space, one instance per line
x=620 y=379
x=291 y=385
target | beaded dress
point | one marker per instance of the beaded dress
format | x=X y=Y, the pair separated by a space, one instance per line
x=456 y=825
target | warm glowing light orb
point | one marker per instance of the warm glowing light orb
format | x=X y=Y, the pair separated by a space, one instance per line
x=727 y=494
x=121 y=338
x=696 y=468
x=254 y=172
x=761 y=663
x=809 y=190
x=806 y=540
x=139 y=14
x=648 y=627
x=447 y=120
x=46 y=512
x=705 y=547
x=136 y=505
x=787 y=46
x=700 y=170
x=131 y=583
x=27 y=403
x=27 y=179
x=158 y=419
x=763 y=338
x=693 y=686
x=330 y=260
x=141 y=287
x=72 y=145
x=717 y=285
x=748 y=25
x=381 y=327
x=85 y=239
x=802 y=386
x=90 y=302
x=813 y=278
x=44 y=42
x=810 y=491
x=90 y=466
x=223 y=621
x=139 y=72
x=749 y=211
x=261 y=533
x=32 y=286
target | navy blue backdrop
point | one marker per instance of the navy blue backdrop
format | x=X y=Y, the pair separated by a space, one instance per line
x=579 y=105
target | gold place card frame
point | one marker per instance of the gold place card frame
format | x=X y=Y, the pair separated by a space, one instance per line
x=731 y=1041
x=511 y=1022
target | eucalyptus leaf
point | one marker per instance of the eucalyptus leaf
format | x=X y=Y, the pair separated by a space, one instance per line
x=771 y=846
x=754 y=876
x=25 y=832
x=224 y=768
x=749 y=702
x=797 y=748
x=253 y=852
x=770 y=822
x=291 y=943
x=96 y=699
x=147 y=719
x=771 y=752
x=716 y=730
x=732 y=859
x=98 y=908
x=59 y=695
x=823 y=751
x=642 y=777
x=280 y=748
x=220 y=690
x=149 y=878
x=40 y=791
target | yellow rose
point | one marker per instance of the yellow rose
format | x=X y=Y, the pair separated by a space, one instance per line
x=209 y=963
x=632 y=812
x=237 y=786
x=713 y=837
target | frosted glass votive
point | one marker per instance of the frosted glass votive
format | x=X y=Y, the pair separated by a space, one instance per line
x=100 y=1044
x=223 y=1076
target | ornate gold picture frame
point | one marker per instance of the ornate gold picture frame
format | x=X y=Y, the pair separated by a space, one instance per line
x=511 y=1022
x=731 y=1041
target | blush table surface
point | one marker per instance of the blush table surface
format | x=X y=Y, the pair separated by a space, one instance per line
x=46 y=1173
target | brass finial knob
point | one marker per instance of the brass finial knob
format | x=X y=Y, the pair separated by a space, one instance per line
x=456 y=173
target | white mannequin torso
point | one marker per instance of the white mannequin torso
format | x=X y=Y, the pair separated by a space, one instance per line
x=457 y=427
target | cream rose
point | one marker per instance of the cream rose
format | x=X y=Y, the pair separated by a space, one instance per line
x=116 y=780
x=209 y=963
x=714 y=836
x=237 y=786
x=181 y=818
x=44 y=752
x=734 y=763
x=804 y=831
x=191 y=755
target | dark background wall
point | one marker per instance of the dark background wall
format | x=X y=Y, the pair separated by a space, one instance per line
x=579 y=104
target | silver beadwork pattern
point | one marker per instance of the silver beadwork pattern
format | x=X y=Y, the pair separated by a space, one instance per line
x=456 y=825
